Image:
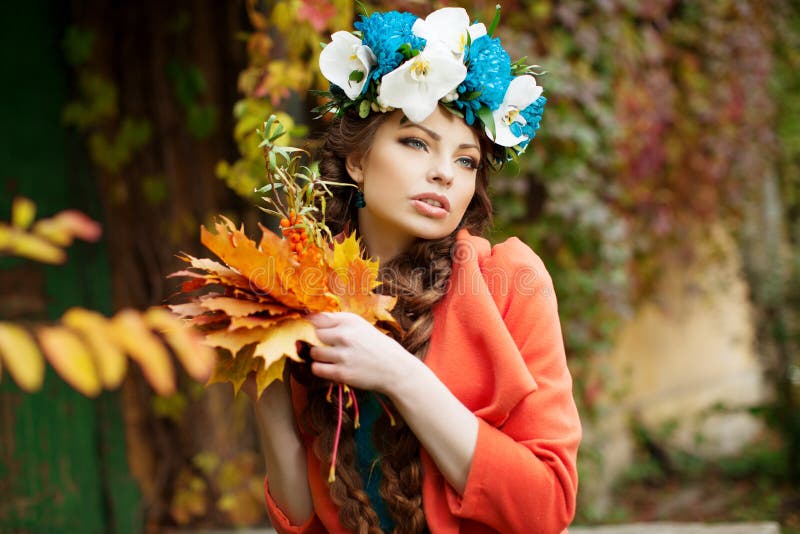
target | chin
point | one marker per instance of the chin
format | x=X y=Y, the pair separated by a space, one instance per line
x=432 y=234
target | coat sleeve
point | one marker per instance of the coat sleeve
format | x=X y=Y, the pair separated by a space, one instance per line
x=282 y=524
x=523 y=476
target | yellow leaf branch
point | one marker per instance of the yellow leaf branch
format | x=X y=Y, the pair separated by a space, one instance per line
x=90 y=352
x=46 y=239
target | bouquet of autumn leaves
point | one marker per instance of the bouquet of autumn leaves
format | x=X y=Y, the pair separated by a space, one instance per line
x=254 y=305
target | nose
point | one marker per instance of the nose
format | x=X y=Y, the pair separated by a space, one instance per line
x=441 y=173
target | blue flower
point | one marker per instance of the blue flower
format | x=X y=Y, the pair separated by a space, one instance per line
x=384 y=33
x=488 y=72
x=532 y=115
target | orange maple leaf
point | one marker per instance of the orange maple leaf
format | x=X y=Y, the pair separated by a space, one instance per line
x=240 y=307
x=260 y=267
x=268 y=289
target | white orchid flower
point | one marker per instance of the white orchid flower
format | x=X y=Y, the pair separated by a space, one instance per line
x=345 y=54
x=450 y=27
x=521 y=93
x=417 y=85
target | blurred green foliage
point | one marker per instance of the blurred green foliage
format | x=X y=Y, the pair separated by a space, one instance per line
x=112 y=154
x=97 y=101
x=777 y=290
x=750 y=486
x=77 y=45
x=112 y=140
x=189 y=85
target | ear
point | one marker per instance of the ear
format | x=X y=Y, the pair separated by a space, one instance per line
x=354 y=168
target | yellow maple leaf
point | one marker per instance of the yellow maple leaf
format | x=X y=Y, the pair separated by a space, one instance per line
x=261 y=350
x=238 y=307
x=235 y=340
x=236 y=369
x=188 y=309
x=210 y=321
x=353 y=275
x=281 y=340
x=265 y=375
x=353 y=280
x=383 y=305
x=260 y=321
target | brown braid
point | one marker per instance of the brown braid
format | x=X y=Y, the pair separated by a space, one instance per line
x=419 y=277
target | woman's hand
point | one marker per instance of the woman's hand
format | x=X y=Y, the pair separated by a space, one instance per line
x=359 y=355
x=356 y=353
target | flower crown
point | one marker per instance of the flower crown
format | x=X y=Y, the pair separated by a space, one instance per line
x=399 y=61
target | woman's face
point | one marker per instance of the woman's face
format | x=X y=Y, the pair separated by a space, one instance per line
x=417 y=179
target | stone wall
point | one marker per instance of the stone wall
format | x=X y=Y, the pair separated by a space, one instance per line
x=684 y=368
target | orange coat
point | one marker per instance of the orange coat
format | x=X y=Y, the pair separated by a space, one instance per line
x=498 y=347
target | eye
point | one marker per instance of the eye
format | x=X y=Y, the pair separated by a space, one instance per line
x=467 y=162
x=415 y=142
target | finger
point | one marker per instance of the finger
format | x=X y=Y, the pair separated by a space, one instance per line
x=327 y=371
x=323 y=320
x=324 y=354
x=330 y=336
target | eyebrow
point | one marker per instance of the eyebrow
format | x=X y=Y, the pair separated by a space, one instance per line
x=436 y=136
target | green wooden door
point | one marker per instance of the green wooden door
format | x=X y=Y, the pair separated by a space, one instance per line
x=62 y=456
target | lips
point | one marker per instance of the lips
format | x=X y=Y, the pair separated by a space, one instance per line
x=434 y=200
x=431 y=205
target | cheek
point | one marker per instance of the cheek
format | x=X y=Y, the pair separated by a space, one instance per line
x=469 y=192
x=461 y=202
x=382 y=168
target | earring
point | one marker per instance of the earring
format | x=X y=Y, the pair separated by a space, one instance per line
x=360 y=202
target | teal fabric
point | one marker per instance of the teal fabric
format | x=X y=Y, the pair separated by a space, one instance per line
x=368 y=460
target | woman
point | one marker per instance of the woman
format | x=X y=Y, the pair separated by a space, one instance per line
x=485 y=429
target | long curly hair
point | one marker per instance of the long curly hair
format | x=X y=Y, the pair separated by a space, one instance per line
x=419 y=278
